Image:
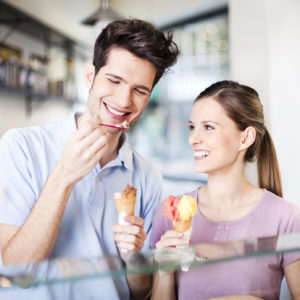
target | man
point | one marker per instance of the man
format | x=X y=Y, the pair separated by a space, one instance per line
x=59 y=179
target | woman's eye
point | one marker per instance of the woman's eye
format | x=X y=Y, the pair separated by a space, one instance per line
x=191 y=127
x=208 y=127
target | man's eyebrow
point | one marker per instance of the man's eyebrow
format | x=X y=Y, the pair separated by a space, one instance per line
x=122 y=79
x=144 y=88
x=115 y=76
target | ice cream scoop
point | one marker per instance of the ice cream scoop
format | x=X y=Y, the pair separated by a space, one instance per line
x=187 y=207
x=170 y=208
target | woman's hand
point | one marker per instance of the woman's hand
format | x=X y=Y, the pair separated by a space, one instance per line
x=172 y=238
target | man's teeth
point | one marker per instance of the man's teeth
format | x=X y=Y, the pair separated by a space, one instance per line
x=115 y=112
x=200 y=153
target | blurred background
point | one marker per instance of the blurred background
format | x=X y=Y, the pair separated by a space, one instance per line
x=45 y=44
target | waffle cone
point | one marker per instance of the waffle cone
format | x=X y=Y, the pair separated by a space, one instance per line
x=182 y=226
x=125 y=201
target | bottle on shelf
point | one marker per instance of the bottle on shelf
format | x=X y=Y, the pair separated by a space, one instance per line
x=10 y=58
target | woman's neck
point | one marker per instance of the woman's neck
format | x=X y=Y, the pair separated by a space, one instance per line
x=228 y=195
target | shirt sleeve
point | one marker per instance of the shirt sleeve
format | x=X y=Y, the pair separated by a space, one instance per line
x=15 y=177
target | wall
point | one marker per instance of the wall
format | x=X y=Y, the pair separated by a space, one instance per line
x=284 y=76
x=265 y=54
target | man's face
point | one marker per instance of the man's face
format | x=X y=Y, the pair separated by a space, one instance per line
x=121 y=88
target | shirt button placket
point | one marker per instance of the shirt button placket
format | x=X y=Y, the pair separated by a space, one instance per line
x=222 y=233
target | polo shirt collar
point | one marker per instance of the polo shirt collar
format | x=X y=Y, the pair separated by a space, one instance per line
x=125 y=153
x=66 y=128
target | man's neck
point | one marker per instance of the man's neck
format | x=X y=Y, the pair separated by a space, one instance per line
x=111 y=150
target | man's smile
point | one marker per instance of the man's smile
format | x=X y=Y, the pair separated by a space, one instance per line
x=116 y=113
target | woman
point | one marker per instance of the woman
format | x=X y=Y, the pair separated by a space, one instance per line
x=227 y=130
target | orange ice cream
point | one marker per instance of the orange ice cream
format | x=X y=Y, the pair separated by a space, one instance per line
x=187 y=207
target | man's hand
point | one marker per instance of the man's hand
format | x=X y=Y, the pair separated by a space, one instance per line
x=130 y=237
x=82 y=152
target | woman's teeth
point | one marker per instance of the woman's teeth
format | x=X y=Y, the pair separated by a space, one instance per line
x=115 y=112
x=200 y=153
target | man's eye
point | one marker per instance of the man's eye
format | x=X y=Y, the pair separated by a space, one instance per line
x=141 y=92
x=113 y=81
x=191 y=127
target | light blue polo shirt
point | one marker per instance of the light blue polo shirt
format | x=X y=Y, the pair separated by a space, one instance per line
x=29 y=155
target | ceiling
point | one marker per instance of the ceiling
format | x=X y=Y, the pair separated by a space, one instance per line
x=65 y=15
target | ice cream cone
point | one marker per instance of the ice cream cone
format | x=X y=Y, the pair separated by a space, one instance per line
x=182 y=226
x=125 y=201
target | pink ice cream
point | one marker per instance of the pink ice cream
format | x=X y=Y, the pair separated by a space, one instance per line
x=170 y=209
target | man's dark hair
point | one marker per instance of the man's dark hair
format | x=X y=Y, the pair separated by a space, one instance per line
x=141 y=39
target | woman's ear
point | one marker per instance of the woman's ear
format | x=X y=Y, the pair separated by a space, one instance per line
x=89 y=74
x=248 y=138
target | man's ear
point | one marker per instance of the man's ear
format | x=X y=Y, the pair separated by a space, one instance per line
x=89 y=74
x=248 y=137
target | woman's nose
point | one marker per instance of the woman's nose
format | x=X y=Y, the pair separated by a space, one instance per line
x=195 y=137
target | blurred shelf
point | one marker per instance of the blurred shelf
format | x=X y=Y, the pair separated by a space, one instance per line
x=14 y=19
x=33 y=97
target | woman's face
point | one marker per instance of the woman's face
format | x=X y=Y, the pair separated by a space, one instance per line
x=214 y=137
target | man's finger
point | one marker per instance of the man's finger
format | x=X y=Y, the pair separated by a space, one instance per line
x=129 y=246
x=128 y=238
x=129 y=229
x=134 y=220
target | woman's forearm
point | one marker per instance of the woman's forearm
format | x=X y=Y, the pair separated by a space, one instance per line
x=163 y=286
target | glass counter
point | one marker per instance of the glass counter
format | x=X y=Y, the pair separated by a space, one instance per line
x=70 y=273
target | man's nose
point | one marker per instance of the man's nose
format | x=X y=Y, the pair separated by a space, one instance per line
x=124 y=97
